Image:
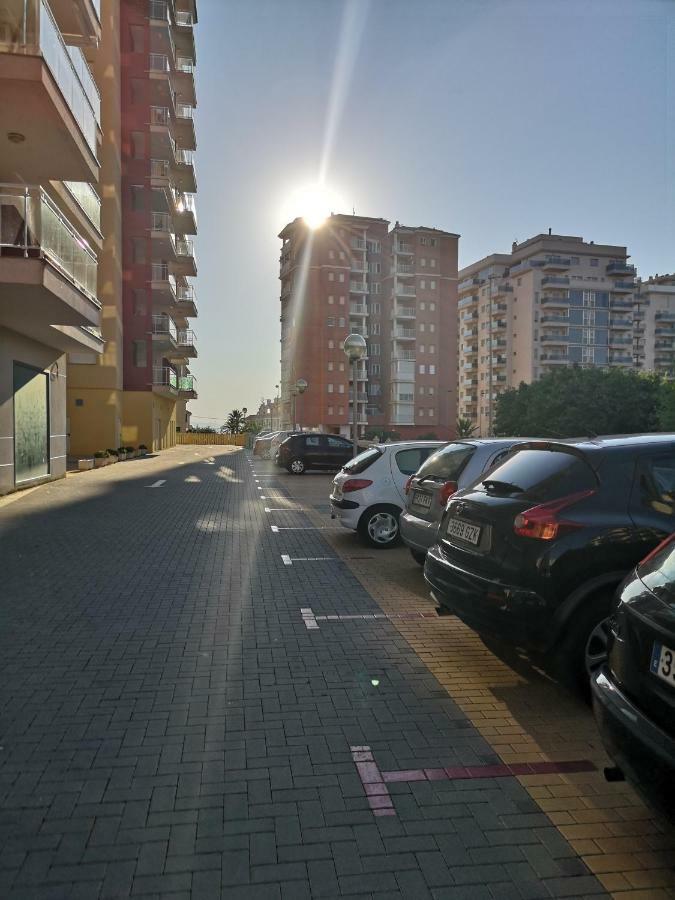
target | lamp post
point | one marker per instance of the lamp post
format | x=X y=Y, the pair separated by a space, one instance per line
x=355 y=349
x=299 y=387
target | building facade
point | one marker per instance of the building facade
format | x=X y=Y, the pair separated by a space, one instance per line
x=396 y=287
x=50 y=238
x=654 y=325
x=136 y=392
x=554 y=301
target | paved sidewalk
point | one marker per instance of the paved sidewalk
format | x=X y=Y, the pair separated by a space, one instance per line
x=178 y=720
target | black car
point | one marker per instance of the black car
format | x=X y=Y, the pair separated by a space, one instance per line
x=301 y=452
x=532 y=554
x=634 y=693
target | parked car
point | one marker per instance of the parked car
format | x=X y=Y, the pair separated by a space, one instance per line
x=309 y=450
x=532 y=553
x=634 y=693
x=261 y=445
x=369 y=491
x=446 y=471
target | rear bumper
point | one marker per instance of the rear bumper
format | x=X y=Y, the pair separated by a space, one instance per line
x=644 y=753
x=490 y=607
x=417 y=533
x=347 y=512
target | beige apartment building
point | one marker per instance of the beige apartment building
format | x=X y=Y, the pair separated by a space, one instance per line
x=654 y=325
x=396 y=287
x=50 y=231
x=555 y=300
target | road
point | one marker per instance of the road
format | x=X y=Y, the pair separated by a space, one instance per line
x=208 y=689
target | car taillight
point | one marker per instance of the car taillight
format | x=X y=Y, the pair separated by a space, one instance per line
x=542 y=521
x=658 y=548
x=446 y=491
x=408 y=484
x=355 y=484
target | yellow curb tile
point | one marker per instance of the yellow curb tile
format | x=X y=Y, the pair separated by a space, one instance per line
x=619 y=844
x=651 y=878
x=597 y=832
x=611 y=881
x=611 y=862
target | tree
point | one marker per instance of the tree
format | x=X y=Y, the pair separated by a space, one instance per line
x=578 y=402
x=666 y=406
x=464 y=428
x=235 y=421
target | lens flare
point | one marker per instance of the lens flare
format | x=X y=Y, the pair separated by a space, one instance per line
x=313 y=203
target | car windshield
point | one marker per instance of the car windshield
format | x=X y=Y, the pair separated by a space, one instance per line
x=541 y=475
x=446 y=464
x=361 y=462
x=658 y=572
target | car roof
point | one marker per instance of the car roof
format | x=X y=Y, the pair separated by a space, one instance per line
x=608 y=441
x=399 y=445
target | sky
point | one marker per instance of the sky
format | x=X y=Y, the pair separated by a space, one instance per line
x=494 y=119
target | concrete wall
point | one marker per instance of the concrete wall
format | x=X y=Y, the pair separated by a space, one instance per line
x=18 y=348
x=148 y=419
x=94 y=419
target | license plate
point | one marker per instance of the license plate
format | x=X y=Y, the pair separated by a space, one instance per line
x=663 y=663
x=458 y=528
x=421 y=498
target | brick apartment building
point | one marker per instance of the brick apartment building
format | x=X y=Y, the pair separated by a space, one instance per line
x=395 y=286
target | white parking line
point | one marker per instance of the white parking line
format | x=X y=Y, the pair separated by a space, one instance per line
x=289 y=560
x=308 y=618
x=157 y=483
x=277 y=528
x=286 y=559
x=269 y=509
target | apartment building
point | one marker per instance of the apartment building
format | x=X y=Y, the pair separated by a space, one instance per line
x=50 y=238
x=396 y=287
x=654 y=325
x=136 y=392
x=555 y=300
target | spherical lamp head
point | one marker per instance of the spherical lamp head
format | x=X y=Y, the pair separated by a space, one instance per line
x=301 y=385
x=355 y=347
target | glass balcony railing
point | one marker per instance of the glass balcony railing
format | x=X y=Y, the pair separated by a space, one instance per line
x=159 y=115
x=159 y=62
x=87 y=199
x=29 y=28
x=185 y=248
x=186 y=338
x=159 y=9
x=159 y=168
x=187 y=383
x=184 y=65
x=163 y=325
x=163 y=376
x=184 y=111
x=32 y=226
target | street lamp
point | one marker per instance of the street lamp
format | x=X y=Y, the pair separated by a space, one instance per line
x=355 y=349
x=299 y=387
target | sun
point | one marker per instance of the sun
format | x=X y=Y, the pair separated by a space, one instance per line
x=314 y=203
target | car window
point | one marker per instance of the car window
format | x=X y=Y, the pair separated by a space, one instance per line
x=409 y=461
x=361 y=462
x=337 y=442
x=657 y=484
x=447 y=463
x=658 y=573
x=545 y=474
x=313 y=440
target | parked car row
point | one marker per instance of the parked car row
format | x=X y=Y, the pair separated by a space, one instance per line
x=547 y=547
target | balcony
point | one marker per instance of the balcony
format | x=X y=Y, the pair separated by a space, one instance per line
x=552 y=318
x=402 y=414
x=358 y=244
x=468 y=382
x=187 y=387
x=163 y=285
x=624 y=287
x=183 y=79
x=361 y=397
x=468 y=366
x=87 y=199
x=48 y=96
x=358 y=287
x=554 y=358
x=497 y=343
x=184 y=348
x=186 y=264
x=469 y=315
x=406 y=290
x=184 y=171
x=620 y=269
x=498 y=325
x=405 y=312
x=403 y=369
x=625 y=341
x=164 y=381
x=358 y=329
x=498 y=360
x=498 y=308
x=621 y=303
x=185 y=126
x=618 y=322
x=405 y=269
x=502 y=289
x=404 y=334
x=164 y=334
x=358 y=265
x=555 y=337
x=664 y=316
x=556 y=263
x=163 y=237
x=620 y=358
x=47 y=271
x=554 y=281
x=470 y=332
x=358 y=309
x=185 y=212
x=555 y=300
x=186 y=302
x=467 y=301
x=467 y=283
x=402 y=247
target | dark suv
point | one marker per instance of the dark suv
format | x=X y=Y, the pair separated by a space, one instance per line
x=532 y=554
x=301 y=452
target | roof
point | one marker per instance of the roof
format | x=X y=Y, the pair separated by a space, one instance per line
x=610 y=441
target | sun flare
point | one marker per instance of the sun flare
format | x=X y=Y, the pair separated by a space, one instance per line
x=314 y=203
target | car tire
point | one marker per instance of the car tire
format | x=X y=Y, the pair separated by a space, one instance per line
x=583 y=649
x=297 y=466
x=418 y=556
x=378 y=527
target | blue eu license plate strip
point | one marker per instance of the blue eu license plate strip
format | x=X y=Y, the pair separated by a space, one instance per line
x=656 y=659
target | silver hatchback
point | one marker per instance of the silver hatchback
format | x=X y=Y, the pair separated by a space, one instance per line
x=449 y=469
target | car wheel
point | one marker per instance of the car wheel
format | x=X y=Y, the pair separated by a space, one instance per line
x=378 y=527
x=418 y=557
x=584 y=649
x=297 y=466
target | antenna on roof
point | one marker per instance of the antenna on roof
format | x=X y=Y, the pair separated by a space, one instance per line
x=353 y=210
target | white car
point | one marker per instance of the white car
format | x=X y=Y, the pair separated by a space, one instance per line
x=369 y=491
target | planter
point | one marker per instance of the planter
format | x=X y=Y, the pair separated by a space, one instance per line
x=100 y=461
x=112 y=459
x=85 y=464
x=121 y=456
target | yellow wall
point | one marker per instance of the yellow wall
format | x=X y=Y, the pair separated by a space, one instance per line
x=148 y=419
x=97 y=424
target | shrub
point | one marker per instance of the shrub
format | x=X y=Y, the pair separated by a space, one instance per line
x=142 y=447
x=101 y=454
x=111 y=452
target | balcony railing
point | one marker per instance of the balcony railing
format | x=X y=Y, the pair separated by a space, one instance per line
x=358 y=309
x=31 y=224
x=358 y=244
x=87 y=199
x=186 y=203
x=159 y=9
x=166 y=326
x=185 y=248
x=468 y=283
x=159 y=115
x=406 y=290
x=159 y=168
x=358 y=287
x=405 y=312
x=163 y=376
x=186 y=338
x=555 y=279
x=187 y=383
x=467 y=301
x=159 y=62
x=184 y=19
x=404 y=332
x=620 y=268
x=183 y=111
x=185 y=65
x=405 y=269
x=30 y=29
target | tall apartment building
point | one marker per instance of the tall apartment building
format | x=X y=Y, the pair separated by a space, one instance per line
x=654 y=325
x=397 y=288
x=136 y=392
x=49 y=224
x=554 y=301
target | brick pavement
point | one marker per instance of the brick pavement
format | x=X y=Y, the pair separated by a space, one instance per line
x=169 y=726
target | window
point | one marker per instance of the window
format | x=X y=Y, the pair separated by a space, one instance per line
x=375 y=267
x=330 y=410
x=341 y=322
x=138 y=145
x=420 y=413
x=423 y=241
x=376 y=308
x=422 y=348
x=374 y=350
x=431 y=389
x=422 y=326
x=137 y=91
x=432 y=412
x=432 y=283
x=595 y=262
x=423 y=283
x=422 y=369
x=341 y=367
x=331 y=345
x=341 y=410
x=329 y=388
x=140 y=302
x=330 y=366
x=137 y=35
x=657 y=485
x=375 y=328
x=137 y=197
x=432 y=263
x=342 y=254
x=432 y=327
x=423 y=261
x=432 y=307
x=432 y=370
x=376 y=287
x=341 y=276
x=140 y=350
x=342 y=300
x=375 y=369
x=331 y=254
x=373 y=246
x=409 y=461
x=331 y=276
x=432 y=348
x=312 y=440
x=331 y=299
x=422 y=306
x=575 y=260
x=330 y=321
x=341 y=388
x=338 y=443
x=138 y=250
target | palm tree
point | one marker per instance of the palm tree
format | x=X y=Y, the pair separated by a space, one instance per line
x=235 y=421
x=465 y=427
